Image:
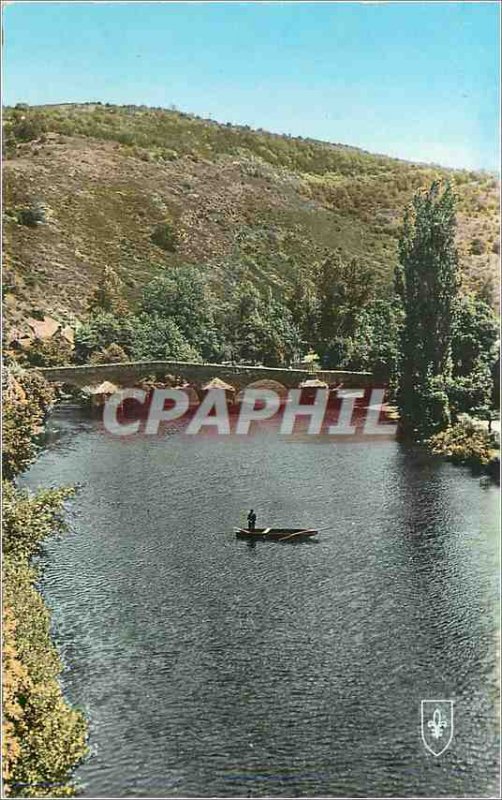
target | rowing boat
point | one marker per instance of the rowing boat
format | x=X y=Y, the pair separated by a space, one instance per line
x=278 y=534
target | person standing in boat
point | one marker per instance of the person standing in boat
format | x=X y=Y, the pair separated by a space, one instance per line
x=251 y=520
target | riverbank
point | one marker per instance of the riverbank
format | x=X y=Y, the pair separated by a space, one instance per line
x=469 y=444
x=44 y=738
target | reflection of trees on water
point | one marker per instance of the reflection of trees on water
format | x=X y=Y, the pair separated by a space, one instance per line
x=442 y=524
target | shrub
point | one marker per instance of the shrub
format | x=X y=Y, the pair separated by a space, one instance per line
x=470 y=391
x=27 y=126
x=164 y=236
x=108 y=295
x=32 y=216
x=28 y=519
x=158 y=338
x=336 y=352
x=113 y=354
x=463 y=443
x=100 y=331
x=477 y=247
x=49 y=352
x=26 y=400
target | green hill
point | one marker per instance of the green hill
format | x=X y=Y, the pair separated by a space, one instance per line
x=139 y=189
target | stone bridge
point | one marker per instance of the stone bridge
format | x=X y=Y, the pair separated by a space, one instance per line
x=129 y=373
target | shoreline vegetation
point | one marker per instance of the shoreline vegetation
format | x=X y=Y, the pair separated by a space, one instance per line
x=44 y=737
x=467 y=444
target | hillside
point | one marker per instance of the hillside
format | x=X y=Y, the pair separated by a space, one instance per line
x=139 y=189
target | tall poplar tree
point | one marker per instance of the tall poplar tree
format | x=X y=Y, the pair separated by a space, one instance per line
x=427 y=281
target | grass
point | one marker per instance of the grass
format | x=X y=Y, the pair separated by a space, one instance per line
x=109 y=176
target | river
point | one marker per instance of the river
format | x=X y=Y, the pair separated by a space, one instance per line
x=209 y=667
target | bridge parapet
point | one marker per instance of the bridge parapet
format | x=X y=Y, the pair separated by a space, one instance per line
x=239 y=376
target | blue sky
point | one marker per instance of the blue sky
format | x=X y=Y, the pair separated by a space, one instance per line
x=415 y=80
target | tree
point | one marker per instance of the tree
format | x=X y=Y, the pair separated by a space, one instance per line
x=182 y=295
x=304 y=304
x=261 y=329
x=113 y=354
x=427 y=282
x=469 y=393
x=474 y=355
x=158 y=338
x=475 y=332
x=108 y=295
x=375 y=343
x=26 y=399
x=100 y=331
x=343 y=289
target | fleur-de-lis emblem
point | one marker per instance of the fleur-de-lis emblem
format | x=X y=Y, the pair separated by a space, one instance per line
x=437 y=725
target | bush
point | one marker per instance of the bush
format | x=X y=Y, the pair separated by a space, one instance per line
x=159 y=338
x=470 y=391
x=463 y=443
x=108 y=295
x=164 y=236
x=113 y=354
x=477 y=247
x=27 y=126
x=32 y=216
x=49 y=352
x=28 y=519
x=336 y=352
x=26 y=399
x=100 y=331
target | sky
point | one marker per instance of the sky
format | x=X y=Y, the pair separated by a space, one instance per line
x=415 y=80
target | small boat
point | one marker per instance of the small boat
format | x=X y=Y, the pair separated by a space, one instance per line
x=278 y=534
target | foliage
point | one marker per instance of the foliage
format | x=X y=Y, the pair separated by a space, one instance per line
x=159 y=338
x=260 y=329
x=274 y=202
x=108 y=295
x=113 y=354
x=467 y=392
x=23 y=125
x=182 y=295
x=164 y=236
x=427 y=282
x=101 y=330
x=344 y=288
x=32 y=215
x=28 y=519
x=475 y=331
x=304 y=304
x=336 y=352
x=464 y=443
x=375 y=342
x=431 y=408
x=26 y=400
x=43 y=738
x=47 y=352
x=173 y=134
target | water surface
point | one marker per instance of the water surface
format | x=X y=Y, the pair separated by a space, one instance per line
x=209 y=667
